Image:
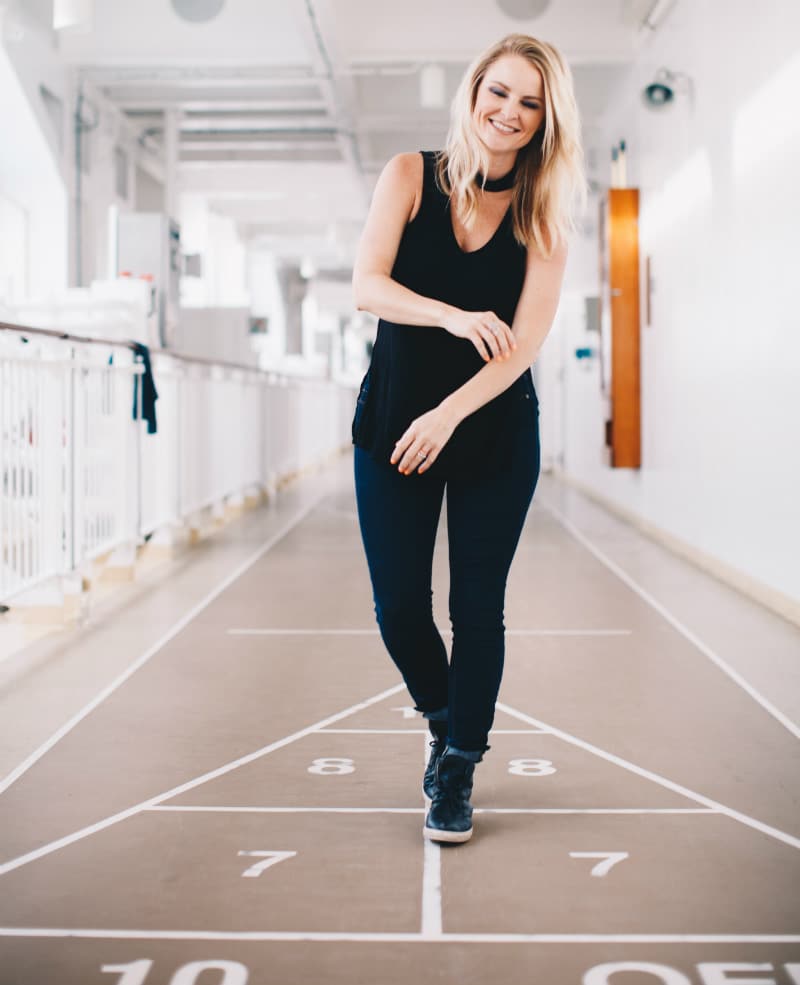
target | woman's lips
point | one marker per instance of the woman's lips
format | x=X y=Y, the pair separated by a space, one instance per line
x=502 y=127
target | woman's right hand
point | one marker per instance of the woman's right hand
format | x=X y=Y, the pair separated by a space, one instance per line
x=489 y=334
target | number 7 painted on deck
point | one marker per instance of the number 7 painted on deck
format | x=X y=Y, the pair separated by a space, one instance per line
x=602 y=868
x=270 y=858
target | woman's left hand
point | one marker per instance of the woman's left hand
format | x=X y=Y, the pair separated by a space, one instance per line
x=423 y=440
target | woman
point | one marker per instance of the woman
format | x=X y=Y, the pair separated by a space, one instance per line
x=462 y=258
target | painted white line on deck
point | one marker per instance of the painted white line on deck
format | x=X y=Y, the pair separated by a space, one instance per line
x=444 y=632
x=176 y=628
x=518 y=731
x=409 y=938
x=695 y=640
x=431 y=890
x=373 y=731
x=595 y=810
x=735 y=815
x=191 y=784
x=567 y=632
x=431 y=927
x=238 y=809
x=421 y=731
x=303 y=632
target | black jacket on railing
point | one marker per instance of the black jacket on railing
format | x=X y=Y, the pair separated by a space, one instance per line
x=149 y=392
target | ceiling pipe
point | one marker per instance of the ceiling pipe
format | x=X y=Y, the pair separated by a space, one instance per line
x=658 y=12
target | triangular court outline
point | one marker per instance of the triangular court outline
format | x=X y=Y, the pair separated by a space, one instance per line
x=661 y=781
x=53 y=846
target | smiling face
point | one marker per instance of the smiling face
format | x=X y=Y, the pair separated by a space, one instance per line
x=509 y=105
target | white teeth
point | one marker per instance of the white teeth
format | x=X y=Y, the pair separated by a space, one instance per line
x=501 y=127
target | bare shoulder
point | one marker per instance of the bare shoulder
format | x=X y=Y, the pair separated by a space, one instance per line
x=395 y=201
x=555 y=262
x=406 y=166
x=402 y=177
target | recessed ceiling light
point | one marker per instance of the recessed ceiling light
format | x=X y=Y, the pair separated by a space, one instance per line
x=197 y=11
x=523 y=9
x=431 y=86
x=72 y=15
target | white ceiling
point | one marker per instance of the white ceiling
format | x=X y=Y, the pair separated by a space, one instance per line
x=289 y=108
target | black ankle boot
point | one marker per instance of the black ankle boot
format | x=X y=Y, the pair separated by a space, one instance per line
x=439 y=733
x=450 y=816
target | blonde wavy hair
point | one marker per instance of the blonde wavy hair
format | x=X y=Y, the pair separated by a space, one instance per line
x=550 y=181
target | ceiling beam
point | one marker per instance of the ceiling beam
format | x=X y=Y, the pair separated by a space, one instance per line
x=142 y=104
x=291 y=154
x=198 y=144
x=189 y=75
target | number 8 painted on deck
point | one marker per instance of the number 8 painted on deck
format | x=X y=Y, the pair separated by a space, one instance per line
x=531 y=767
x=332 y=767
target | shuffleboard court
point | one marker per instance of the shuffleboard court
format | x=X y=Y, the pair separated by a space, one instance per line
x=247 y=808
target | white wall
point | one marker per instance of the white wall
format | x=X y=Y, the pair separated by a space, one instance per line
x=30 y=155
x=267 y=302
x=37 y=166
x=721 y=360
x=224 y=262
x=221 y=334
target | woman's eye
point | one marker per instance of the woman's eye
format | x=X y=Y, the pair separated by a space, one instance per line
x=499 y=92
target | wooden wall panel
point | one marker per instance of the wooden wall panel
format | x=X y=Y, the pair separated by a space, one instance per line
x=623 y=269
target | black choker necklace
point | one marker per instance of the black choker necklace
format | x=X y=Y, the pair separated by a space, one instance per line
x=497 y=184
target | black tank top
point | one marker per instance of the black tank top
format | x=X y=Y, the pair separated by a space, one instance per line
x=413 y=368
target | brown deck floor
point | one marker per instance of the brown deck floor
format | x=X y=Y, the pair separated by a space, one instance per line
x=217 y=780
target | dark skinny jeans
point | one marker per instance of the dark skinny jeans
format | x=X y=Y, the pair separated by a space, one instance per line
x=398 y=516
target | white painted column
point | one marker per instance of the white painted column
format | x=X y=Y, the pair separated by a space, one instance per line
x=171 y=161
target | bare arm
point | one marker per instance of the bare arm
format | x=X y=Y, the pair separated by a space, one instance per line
x=533 y=320
x=394 y=203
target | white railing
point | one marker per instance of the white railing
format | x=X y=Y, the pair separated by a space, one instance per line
x=80 y=477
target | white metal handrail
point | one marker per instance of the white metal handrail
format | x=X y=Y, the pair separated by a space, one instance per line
x=80 y=476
